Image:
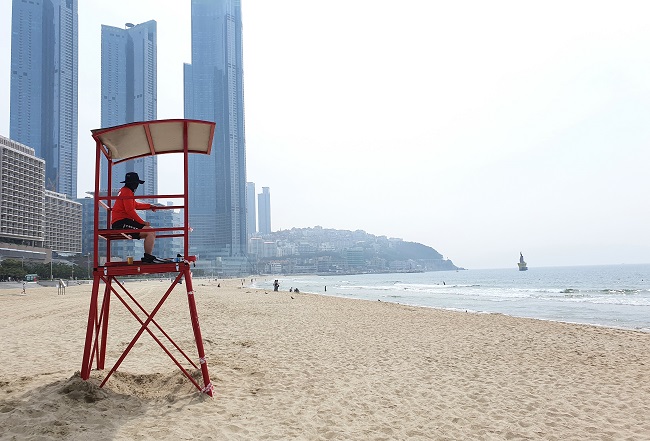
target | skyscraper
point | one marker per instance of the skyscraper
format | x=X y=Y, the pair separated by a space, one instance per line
x=264 y=208
x=129 y=93
x=250 y=209
x=214 y=91
x=43 y=102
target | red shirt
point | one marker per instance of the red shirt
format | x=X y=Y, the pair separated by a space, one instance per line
x=125 y=206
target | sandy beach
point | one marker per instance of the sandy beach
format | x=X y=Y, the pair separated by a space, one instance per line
x=309 y=367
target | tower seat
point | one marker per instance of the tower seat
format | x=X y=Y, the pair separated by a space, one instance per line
x=114 y=234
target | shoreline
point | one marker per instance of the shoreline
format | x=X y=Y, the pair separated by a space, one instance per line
x=314 y=366
x=470 y=311
x=611 y=297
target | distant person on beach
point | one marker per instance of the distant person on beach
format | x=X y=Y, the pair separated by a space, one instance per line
x=276 y=285
x=124 y=216
x=24 y=292
x=61 y=286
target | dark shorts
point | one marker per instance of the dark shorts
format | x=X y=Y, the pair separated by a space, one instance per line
x=128 y=224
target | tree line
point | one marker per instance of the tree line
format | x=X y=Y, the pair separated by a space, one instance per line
x=15 y=269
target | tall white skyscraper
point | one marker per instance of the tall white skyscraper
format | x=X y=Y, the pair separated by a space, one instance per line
x=250 y=209
x=264 y=208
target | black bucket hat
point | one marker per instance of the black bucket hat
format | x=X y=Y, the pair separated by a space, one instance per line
x=131 y=178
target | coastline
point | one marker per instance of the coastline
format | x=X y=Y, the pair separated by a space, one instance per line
x=311 y=366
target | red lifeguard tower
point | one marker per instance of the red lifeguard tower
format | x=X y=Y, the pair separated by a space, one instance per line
x=124 y=143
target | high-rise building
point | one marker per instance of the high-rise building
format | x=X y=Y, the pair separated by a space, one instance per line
x=250 y=209
x=43 y=101
x=88 y=224
x=63 y=228
x=129 y=93
x=22 y=211
x=214 y=91
x=34 y=221
x=255 y=247
x=264 y=209
x=166 y=247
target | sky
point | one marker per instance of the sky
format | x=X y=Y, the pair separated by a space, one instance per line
x=481 y=129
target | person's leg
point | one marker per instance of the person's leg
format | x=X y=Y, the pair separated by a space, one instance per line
x=149 y=240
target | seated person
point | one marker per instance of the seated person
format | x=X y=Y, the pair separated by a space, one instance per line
x=124 y=216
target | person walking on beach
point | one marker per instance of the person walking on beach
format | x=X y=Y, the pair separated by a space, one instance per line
x=276 y=285
x=24 y=292
x=124 y=216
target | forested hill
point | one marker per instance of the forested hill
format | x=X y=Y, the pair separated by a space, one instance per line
x=412 y=250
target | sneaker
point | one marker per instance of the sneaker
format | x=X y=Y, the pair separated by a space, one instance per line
x=150 y=258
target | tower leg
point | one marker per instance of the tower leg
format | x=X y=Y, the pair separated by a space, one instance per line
x=106 y=303
x=197 y=330
x=90 y=330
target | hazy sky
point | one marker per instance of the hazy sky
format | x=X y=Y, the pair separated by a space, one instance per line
x=480 y=128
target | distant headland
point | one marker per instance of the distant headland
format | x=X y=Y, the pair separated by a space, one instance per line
x=321 y=250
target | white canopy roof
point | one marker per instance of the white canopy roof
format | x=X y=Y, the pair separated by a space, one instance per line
x=155 y=137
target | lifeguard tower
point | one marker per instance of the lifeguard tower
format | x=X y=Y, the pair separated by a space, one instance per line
x=123 y=143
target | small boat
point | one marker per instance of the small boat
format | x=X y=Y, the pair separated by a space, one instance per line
x=522 y=264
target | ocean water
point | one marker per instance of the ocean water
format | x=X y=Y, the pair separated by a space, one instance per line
x=615 y=296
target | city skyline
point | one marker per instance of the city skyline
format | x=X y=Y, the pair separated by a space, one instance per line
x=481 y=130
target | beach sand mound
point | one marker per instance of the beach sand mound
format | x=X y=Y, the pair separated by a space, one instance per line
x=78 y=409
x=77 y=389
x=170 y=387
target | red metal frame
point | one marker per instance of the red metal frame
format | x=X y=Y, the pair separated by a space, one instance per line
x=110 y=272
